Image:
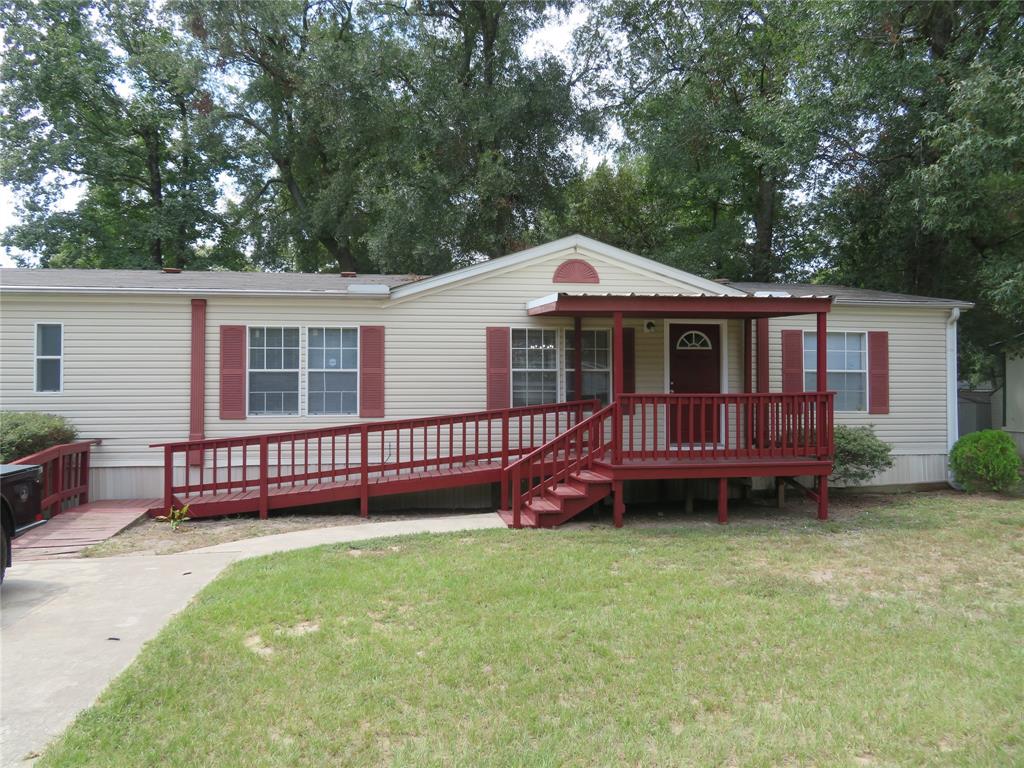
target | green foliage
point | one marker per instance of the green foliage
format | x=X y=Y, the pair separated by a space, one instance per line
x=23 y=433
x=860 y=455
x=111 y=110
x=175 y=517
x=986 y=460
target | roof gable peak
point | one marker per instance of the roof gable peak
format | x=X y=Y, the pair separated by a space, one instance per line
x=573 y=245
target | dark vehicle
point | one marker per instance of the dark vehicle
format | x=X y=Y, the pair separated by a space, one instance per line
x=19 y=506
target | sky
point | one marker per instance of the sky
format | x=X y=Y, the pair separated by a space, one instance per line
x=554 y=38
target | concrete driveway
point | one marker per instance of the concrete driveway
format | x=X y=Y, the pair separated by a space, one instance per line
x=68 y=627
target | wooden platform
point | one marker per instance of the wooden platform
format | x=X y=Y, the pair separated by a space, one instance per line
x=68 y=533
x=685 y=467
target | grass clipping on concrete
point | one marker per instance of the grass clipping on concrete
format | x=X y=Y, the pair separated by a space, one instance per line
x=890 y=638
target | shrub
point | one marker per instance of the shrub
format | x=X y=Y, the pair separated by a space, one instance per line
x=986 y=460
x=860 y=455
x=24 y=433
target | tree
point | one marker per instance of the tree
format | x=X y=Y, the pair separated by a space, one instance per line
x=717 y=98
x=927 y=196
x=481 y=135
x=300 y=83
x=104 y=97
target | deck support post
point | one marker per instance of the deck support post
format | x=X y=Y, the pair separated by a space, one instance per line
x=364 y=474
x=723 y=500
x=780 y=492
x=689 y=497
x=618 y=503
x=823 y=497
x=264 y=477
x=83 y=477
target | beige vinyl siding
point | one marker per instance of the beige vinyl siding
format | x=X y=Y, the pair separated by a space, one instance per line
x=916 y=425
x=125 y=369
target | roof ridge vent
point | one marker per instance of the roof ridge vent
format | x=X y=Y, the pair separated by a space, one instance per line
x=171 y=270
x=349 y=274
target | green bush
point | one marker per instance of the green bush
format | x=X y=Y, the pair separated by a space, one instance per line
x=860 y=455
x=25 y=433
x=986 y=460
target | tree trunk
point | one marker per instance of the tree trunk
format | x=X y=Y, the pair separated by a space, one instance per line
x=151 y=140
x=339 y=252
x=762 y=263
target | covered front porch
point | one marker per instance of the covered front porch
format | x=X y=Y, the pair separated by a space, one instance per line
x=708 y=421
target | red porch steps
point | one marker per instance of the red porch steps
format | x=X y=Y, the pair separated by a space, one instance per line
x=553 y=506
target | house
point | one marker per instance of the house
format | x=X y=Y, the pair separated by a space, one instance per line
x=563 y=373
x=1008 y=399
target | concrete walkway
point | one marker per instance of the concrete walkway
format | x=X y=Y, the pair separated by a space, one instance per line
x=69 y=626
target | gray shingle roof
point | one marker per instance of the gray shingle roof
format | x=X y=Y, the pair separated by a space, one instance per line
x=853 y=296
x=155 y=281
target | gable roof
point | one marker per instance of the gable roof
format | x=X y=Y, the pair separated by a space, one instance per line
x=214 y=282
x=863 y=297
x=574 y=245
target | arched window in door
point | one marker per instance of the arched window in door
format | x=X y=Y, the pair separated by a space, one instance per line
x=693 y=340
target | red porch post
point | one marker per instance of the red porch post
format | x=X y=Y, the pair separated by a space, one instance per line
x=578 y=356
x=618 y=383
x=618 y=363
x=748 y=356
x=822 y=385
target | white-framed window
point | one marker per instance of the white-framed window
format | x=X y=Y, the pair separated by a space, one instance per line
x=597 y=364
x=49 y=370
x=847 y=356
x=694 y=340
x=333 y=371
x=273 y=371
x=534 y=366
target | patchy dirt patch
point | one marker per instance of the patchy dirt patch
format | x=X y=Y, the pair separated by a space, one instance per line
x=149 y=537
x=300 y=629
x=255 y=644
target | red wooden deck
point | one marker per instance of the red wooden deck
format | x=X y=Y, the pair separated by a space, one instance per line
x=552 y=461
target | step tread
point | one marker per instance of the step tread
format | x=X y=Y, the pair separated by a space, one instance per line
x=590 y=476
x=567 y=491
x=542 y=505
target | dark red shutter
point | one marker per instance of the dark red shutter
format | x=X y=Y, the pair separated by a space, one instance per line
x=628 y=360
x=499 y=367
x=371 y=371
x=792 y=361
x=232 y=372
x=878 y=372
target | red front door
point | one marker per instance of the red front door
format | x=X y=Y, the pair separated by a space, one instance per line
x=695 y=366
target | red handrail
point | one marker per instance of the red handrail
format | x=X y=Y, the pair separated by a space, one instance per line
x=726 y=426
x=65 y=475
x=363 y=453
x=552 y=463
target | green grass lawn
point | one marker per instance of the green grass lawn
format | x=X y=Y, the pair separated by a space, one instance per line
x=890 y=637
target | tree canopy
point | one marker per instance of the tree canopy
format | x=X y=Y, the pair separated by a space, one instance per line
x=874 y=144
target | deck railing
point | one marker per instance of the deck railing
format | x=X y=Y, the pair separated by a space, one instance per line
x=573 y=451
x=726 y=426
x=362 y=453
x=65 y=478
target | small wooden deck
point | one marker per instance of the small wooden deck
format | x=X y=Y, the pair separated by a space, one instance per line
x=69 y=532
